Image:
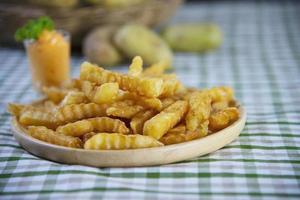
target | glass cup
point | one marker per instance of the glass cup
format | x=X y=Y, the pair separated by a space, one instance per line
x=49 y=58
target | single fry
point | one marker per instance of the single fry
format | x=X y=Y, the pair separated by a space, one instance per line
x=76 y=129
x=15 y=109
x=199 y=110
x=150 y=87
x=107 y=141
x=50 y=136
x=74 y=112
x=151 y=103
x=223 y=118
x=104 y=94
x=55 y=94
x=74 y=97
x=161 y=123
x=221 y=94
x=38 y=118
x=124 y=109
x=137 y=122
x=179 y=134
x=108 y=125
x=136 y=67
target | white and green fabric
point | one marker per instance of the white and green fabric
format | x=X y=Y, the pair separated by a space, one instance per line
x=260 y=58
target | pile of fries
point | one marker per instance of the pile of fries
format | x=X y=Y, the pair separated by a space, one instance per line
x=109 y=110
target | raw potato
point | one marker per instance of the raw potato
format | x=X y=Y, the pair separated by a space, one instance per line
x=193 y=37
x=99 y=49
x=139 y=40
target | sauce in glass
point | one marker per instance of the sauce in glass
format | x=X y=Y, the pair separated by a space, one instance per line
x=49 y=58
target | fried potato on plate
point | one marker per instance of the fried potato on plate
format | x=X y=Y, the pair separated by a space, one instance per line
x=50 y=136
x=138 y=121
x=223 y=118
x=106 y=141
x=161 y=123
x=150 y=87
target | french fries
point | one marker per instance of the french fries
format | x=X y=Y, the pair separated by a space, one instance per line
x=158 y=125
x=50 y=136
x=100 y=124
x=106 y=141
x=106 y=110
x=223 y=118
x=150 y=87
x=199 y=110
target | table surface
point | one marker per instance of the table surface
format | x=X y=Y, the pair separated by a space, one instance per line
x=260 y=58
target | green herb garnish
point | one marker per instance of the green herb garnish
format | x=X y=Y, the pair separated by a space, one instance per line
x=33 y=28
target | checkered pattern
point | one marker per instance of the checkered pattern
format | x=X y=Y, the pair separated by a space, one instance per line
x=260 y=58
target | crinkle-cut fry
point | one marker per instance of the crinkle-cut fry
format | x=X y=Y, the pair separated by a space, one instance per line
x=219 y=105
x=170 y=87
x=74 y=97
x=124 y=109
x=105 y=93
x=109 y=125
x=151 y=103
x=107 y=141
x=137 y=122
x=136 y=67
x=55 y=94
x=87 y=136
x=199 y=110
x=74 y=112
x=150 y=87
x=50 y=106
x=38 y=118
x=161 y=123
x=76 y=129
x=156 y=69
x=99 y=124
x=50 y=136
x=15 y=109
x=179 y=134
x=223 y=118
x=220 y=93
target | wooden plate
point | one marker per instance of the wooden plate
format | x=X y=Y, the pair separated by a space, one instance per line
x=130 y=158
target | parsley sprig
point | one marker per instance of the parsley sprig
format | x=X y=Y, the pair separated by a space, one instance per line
x=33 y=28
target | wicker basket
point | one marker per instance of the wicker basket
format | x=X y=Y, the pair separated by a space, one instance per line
x=79 y=20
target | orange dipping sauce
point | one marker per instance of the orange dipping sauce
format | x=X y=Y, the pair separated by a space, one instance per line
x=49 y=58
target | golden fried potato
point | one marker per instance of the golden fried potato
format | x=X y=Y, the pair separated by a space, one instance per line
x=74 y=97
x=105 y=93
x=38 y=118
x=136 y=67
x=106 y=141
x=124 y=109
x=50 y=136
x=108 y=125
x=179 y=134
x=219 y=105
x=161 y=123
x=151 y=103
x=223 y=118
x=55 y=94
x=150 y=87
x=76 y=129
x=15 y=109
x=73 y=112
x=137 y=122
x=199 y=110
x=99 y=124
x=220 y=94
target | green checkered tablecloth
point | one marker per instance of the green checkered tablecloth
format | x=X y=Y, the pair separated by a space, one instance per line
x=260 y=58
